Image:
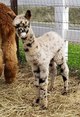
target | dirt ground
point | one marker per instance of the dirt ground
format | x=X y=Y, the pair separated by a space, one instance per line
x=16 y=99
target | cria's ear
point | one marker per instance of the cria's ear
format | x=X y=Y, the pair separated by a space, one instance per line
x=28 y=14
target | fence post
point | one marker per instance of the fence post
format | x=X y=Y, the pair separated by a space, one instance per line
x=61 y=21
x=14 y=7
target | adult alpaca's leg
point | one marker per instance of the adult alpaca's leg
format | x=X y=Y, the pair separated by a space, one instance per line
x=10 y=70
x=10 y=59
x=1 y=62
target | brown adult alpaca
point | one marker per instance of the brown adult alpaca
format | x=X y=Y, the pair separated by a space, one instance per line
x=7 y=44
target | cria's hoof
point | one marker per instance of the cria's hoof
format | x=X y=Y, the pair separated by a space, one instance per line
x=35 y=102
x=64 y=93
x=52 y=89
x=43 y=107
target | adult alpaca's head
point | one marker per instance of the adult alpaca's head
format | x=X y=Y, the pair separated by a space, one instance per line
x=6 y=10
x=22 y=24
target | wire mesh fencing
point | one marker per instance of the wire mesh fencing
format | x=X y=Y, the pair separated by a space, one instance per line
x=43 y=20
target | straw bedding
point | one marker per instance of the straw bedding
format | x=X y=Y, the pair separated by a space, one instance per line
x=16 y=99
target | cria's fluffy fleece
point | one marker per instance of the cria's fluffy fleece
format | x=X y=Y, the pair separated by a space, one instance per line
x=7 y=44
x=44 y=52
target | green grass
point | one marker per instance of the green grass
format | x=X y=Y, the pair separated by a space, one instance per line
x=22 y=57
x=74 y=56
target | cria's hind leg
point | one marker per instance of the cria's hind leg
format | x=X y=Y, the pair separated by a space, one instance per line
x=53 y=74
x=65 y=75
x=60 y=60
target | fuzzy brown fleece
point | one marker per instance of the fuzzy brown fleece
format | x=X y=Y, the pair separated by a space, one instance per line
x=7 y=44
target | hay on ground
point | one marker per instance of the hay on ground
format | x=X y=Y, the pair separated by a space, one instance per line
x=16 y=99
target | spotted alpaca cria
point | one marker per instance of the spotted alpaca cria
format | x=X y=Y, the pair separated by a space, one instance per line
x=43 y=53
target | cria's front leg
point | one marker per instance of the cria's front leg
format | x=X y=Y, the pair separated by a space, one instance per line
x=43 y=82
x=36 y=72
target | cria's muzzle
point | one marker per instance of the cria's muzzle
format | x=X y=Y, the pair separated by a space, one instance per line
x=23 y=35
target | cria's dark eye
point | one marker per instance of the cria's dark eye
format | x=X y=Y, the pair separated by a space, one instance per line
x=21 y=22
x=17 y=26
x=25 y=26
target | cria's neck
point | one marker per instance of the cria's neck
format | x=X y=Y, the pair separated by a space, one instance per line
x=31 y=44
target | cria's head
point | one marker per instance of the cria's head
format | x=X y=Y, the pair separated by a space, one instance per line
x=22 y=24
